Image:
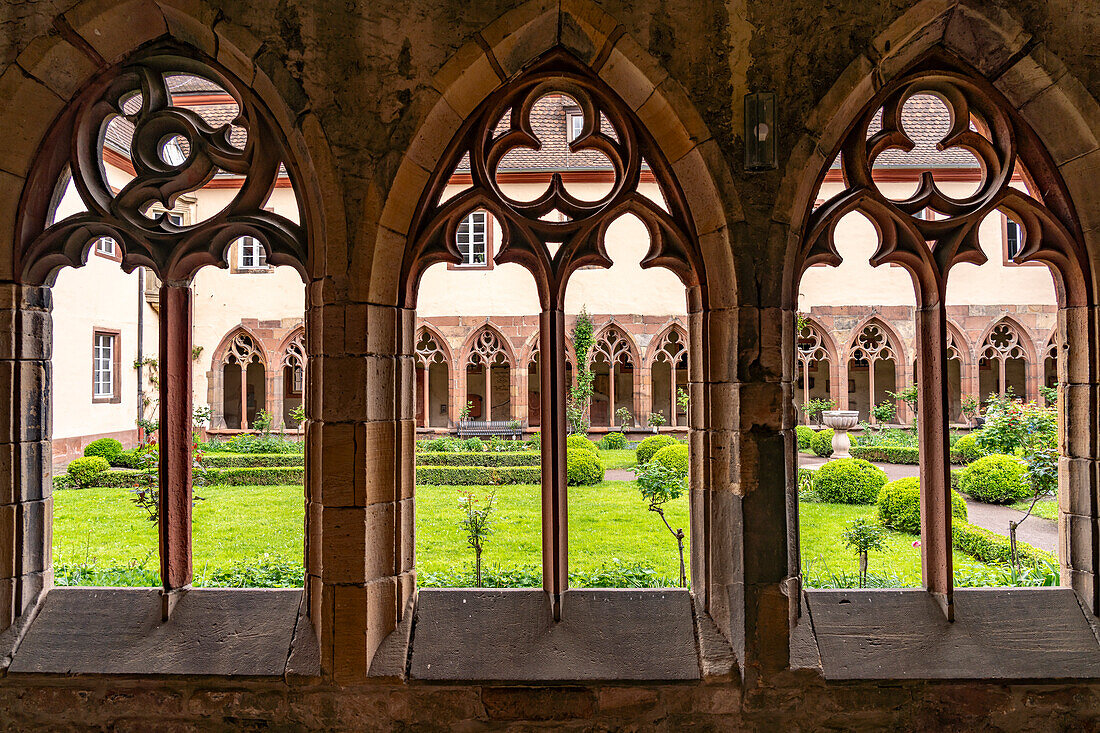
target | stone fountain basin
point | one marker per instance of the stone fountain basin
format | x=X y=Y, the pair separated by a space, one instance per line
x=841 y=419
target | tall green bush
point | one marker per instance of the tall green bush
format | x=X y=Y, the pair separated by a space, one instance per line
x=849 y=481
x=108 y=448
x=805 y=435
x=649 y=447
x=823 y=443
x=84 y=471
x=966 y=449
x=899 y=505
x=674 y=457
x=583 y=468
x=996 y=479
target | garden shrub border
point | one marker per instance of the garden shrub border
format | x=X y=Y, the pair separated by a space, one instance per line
x=484 y=459
x=990 y=547
x=887 y=453
x=477 y=475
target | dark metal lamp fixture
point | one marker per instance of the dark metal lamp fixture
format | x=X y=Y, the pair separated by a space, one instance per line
x=760 y=132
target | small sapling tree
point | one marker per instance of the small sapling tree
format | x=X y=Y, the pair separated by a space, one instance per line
x=659 y=485
x=863 y=535
x=970 y=408
x=476 y=522
x=623 y=417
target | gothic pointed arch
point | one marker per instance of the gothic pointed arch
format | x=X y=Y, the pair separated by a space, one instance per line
x=486 y=344
x=876 y=339
x=434 y=376
x=666 y=374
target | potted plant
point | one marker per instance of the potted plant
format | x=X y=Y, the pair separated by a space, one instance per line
x=656 y=420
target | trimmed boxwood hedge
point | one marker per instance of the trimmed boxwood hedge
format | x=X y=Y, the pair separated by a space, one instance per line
x=899 y=505
x=477 y=475
x=849 y=481
x=805 y=435
x=822 y=444
x=582 y=468
x=996 y=479
x=993 y=548
x=675 y=457
x=252 y=460
x=490 y=459
x=887 y=453
x=649 y=447
x=262 y=476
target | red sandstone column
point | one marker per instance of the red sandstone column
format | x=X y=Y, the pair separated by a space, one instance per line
x=935 y=466
x=555 y=570
x=244 y=396
x=175 y=435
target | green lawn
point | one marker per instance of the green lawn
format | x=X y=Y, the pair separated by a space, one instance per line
x=103 y=527
x=823 y=550
x=1045 y=508
x=609 y=526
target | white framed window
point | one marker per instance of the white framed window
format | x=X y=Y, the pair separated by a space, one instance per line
x=104 y=366
x=574 y=121
x=251 y=255
x=175 y=218
x=106 y=246
x=1012 y=238
x=472 y=237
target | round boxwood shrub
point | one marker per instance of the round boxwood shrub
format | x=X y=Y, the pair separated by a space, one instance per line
x=108 y=448
x=966 y=448
x=649 y=447
x=582 y=468
x=823 y=443
x=128 y=459
x=849 y=481
x=996 y=479
x=83 y=471
x=899 y=505
x=580 y=442
x=673 y=456
x=805 y=436
x=614 y=441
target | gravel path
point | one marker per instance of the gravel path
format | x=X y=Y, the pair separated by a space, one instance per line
x=1041 y=533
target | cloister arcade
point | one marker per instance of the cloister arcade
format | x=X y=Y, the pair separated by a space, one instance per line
x=370 y=126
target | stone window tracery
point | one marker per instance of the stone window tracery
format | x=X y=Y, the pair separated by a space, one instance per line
x=673 y=352
x=810 y=350
x=613 y=348
x=429 y=352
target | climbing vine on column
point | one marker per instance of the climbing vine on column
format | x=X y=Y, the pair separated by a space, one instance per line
x=580 y=393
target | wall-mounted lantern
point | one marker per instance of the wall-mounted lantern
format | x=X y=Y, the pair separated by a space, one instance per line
x=760 y=132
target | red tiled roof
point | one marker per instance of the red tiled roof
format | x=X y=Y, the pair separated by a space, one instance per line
x=924 y=119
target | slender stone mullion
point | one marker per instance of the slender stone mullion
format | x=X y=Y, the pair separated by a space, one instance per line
x=555 y=570
x=175 y=435
x=935 y=466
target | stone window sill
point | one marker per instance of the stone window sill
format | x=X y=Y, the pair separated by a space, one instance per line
x=227 y=632
x=1010 y=634
x=508 y=635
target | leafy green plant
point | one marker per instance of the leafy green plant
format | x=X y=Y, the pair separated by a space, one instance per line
x=578 y=441
x=623 y=418
x=1008 y=423
x=656 y=419
x=823 y=443
x=805 y=480
x=108 y=448
x=995 y=479
x=805 y=436
x=475 y=445
x=660 y=484
x=613 y=441
x=83 y=472
x=464 y=412
x=674 y=457
x=200 y=416
x=476 y=523
x=849 y=481
x=683 y=399
x=970 y=408
x=908 y=395
x=580 y=392
x=967 y=449
x=899 y=505
x=863 y=536
x=815 y=407
x=885 y=411
x=648 y=447
x=298 y=414
x=1049 y=394
x=263 y=422
x=583 y=467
